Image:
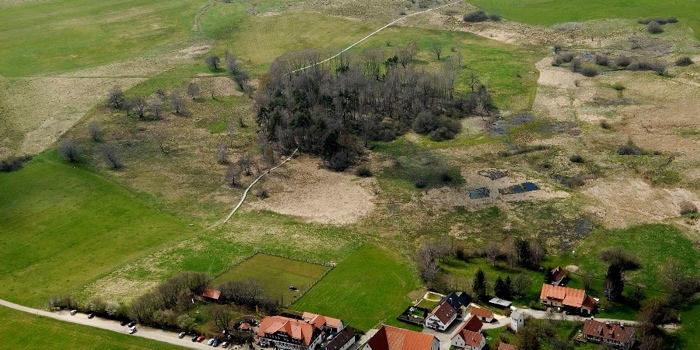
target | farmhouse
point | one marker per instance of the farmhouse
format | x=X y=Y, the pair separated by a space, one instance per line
x=566 y=297
x=441 y=317
x=392 y=338
x=517 y=320
x=614 y=334
x=468 y=340
x=484 y=315
x=288 y=334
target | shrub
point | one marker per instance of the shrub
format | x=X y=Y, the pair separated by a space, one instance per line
x=654 y=28
x=623 y=61
x=601 y=60
x=446 y=177
x=630 y=149
x=619 y=86
x=684 y=61
x=495 y=17
x=576 y=159
x=688 y=208
x=575 y=65
x=476 y=16
x=589 y=72
x=14 y=163
x=557 y=61
x=567 y=57
x=363 y=171
x=605 y=125
x=659 y=67
x=420 y=184
x=671 y=20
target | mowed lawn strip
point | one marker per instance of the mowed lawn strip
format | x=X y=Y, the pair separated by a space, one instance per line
x=20 y=330
x=367 y=288
x=276 y=274
x=62 y=226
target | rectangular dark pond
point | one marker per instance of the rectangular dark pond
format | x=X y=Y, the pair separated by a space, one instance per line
x=520 y=188
x=478 y=193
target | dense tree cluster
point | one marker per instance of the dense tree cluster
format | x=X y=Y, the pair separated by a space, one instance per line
x=332 y=110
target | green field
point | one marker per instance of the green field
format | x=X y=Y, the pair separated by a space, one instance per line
x=63 y=226
x=21 y=330
x=369 y=287
x=276 y=274
x=548 y=12
x=57 y=35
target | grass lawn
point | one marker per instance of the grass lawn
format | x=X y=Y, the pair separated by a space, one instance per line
x=19 y=330
x=548 y=12
x=369 y=287
x=63 y=226
x=276 y=275
x=57 y=35
x=690 y=321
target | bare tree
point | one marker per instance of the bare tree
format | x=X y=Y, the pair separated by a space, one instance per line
x=230 y=132
x=177 y=103
x=222 y=154
x=493 y=251
x=213 y=62
x=587 y=279
x=221 y=316
x=245 y=163
x=437 y=50
x=232 y=175
x=407 y=53
x=161 y=142
x=94 y=131
x=140 y=106
x=193 y=90
x=521 y=284
x=155 y=106
x=115 y=99
x=111 y=156
x=69 y=150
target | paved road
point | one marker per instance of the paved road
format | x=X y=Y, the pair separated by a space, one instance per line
x=143 y=332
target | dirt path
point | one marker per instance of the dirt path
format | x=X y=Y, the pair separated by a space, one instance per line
x=197 y=26
x=370 y=35
x=143 y=332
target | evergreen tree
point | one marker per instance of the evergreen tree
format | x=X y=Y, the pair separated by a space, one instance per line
x=613 y=285
x=479 y=285
x=499 y=288
x=508 y=288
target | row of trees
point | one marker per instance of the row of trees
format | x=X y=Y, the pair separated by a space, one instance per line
x=333 y=110
x=70 y=150
x=505 y=289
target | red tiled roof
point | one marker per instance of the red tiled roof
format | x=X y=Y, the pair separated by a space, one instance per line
x=245 y=326
x=477 y=311
x=392 y=338
x=473 y=324
x=558 y=273
x=444 y=312
x=611 y=331
x=320 y=320
x=211 y=294
x=296 y=329
x=471 y=338
x=504 y=346
x=567 y=296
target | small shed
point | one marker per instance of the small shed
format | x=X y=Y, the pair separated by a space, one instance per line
x=500 y=303
x=211 y=294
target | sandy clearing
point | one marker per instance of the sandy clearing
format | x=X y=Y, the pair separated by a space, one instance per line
x=627 y=202
x=303 y=189
x=222 y=86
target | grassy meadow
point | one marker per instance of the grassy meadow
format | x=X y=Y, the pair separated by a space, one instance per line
x=64 y=225
x=21 y=330
x=276 y=274
x=369 y=287
x=548 y=12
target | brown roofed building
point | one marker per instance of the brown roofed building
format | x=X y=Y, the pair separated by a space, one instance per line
x=556 y=296
x=212 y=294
x=468 y=340
x=441 y=317
x=615 y=334
x=504 y=346
x=557 y=275
x=343 y=340
x=473 y=324
x=484 y=315
x=392 y=338
x=326 y=323
x=288 y=333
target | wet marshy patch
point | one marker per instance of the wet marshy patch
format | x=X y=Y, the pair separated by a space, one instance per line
x=479 y=193
x=493 y=174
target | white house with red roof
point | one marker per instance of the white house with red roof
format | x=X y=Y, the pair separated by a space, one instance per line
x=441 y=317
x=469 y=336
x=288 y=334
x=485 y=315
x=572 y=298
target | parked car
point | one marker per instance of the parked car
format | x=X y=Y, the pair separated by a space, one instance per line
x=131 y=324
x=224 y=345
x=91 y=315
x=201 y=338
x=194 y=338
x=181 y=335
x=210 y=342
x=123 y=323
x=132 y=330
x=73 y=312
x=215 y=343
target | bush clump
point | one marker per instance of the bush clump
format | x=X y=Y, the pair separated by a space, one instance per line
x=363 y=171
x=446 y=177
x=420 y=184
x=476 y=16
x=659 y=20
x=630 y=149
x=589 y=72
x=567 y=57
x=684 y=61
x=495 y=17
x=576 y=159
x=438 y=128
x=14 y=163
x=688 y=208
x=654 y=28
x=602 y=60
x=606 y=125
x=623 y=61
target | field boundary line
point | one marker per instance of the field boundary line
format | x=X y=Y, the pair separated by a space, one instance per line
x=245 y=193
x=370 y=35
